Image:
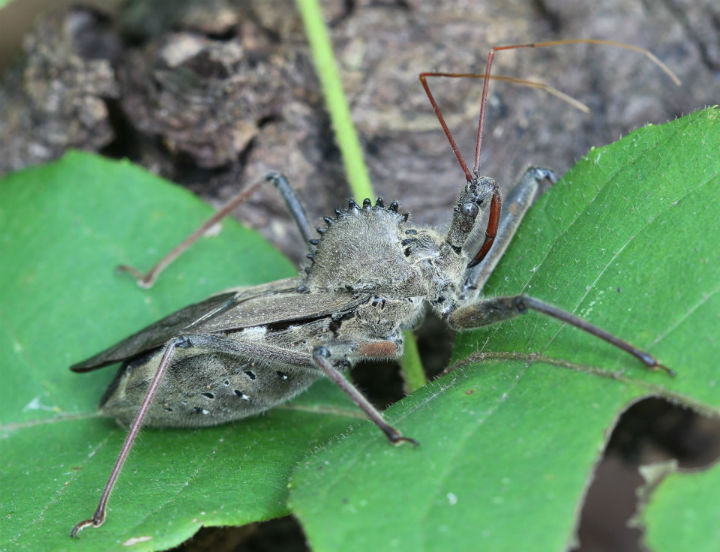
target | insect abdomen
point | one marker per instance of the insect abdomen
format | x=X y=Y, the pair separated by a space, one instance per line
x=202 y=389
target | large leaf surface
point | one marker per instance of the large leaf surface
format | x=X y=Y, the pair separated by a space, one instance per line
x=63 y=229
x=628 y=240
x=624 y=241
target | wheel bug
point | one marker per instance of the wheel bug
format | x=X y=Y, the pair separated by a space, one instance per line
x=371 y=274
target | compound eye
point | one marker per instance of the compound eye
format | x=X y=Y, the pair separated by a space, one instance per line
x=470 y=209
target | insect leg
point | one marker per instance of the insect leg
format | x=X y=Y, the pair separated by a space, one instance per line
x=497 y=309
x=320 y=358
x=296 y=210
x=514 y=208
x=99 y=516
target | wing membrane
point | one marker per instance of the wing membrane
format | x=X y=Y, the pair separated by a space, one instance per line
x=155 y=334
x=277 y=302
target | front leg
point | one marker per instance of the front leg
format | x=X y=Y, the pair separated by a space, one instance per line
x=497 y=309
x=514 y=209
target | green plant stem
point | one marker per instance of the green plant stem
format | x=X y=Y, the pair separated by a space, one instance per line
x=349 y=145
x=326 y=67
x=411 y=364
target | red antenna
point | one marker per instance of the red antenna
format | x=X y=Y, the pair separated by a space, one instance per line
x=522 y=82
x=494 y=217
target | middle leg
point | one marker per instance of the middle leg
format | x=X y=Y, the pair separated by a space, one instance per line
x=283 y=186
x=321 y=358
x=497 y=309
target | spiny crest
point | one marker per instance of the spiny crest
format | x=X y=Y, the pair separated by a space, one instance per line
x=360 y=248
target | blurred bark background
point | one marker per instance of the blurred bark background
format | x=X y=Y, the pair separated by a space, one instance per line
x=212 y=94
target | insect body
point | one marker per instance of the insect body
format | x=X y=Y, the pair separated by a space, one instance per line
x=371 y=274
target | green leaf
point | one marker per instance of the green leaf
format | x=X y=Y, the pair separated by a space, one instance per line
x=628 y=240
x=63 y=229
x=514 y=437
x=683 y=512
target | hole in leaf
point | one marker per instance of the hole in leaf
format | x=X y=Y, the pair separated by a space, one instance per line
x=651 y=430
